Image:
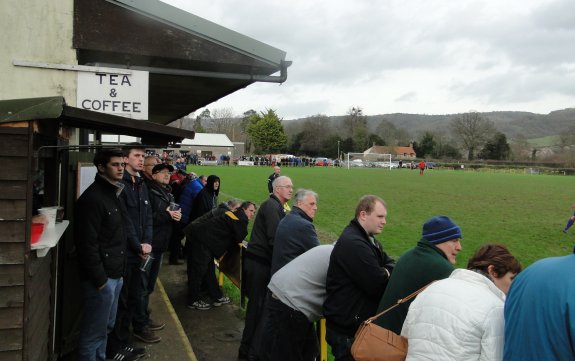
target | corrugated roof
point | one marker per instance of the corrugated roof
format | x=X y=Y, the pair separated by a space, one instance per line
x=209 y=139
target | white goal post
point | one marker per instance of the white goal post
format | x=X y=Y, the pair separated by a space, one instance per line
x=372 y=160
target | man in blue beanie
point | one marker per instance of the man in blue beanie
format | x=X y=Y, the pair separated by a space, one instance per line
x=431 y=259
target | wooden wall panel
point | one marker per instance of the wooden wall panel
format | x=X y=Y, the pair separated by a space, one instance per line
x=14 y=168
x=10 y=340
x=11 y=356
x=13 y=189
x=11 y=275
x=12 y=296
x=11 y=318
x=12 y=210
x=14 y=142
x=12 y=253
x=12 y=231
x=39 y=307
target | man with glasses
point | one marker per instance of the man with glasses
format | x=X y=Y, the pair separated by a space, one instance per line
x=99 y=231
x=258 y=257
x=149 y=162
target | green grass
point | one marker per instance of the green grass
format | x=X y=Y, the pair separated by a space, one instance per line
x=547 y=141
x=524 y=212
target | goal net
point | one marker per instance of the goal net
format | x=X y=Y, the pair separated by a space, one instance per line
x=370 y=160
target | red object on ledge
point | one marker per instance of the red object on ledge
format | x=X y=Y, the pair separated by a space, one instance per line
x=37 y=229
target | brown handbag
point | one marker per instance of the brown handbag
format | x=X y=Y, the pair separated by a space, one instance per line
x=375 y=343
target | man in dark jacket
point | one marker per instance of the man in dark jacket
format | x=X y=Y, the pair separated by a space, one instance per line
x=432 y=259
x=101 y=245
x=209 y=237
x=164 y=219
x=257 y=260
x=138 y=224
x=357 y=275
x=272 y=178
x=296 y=233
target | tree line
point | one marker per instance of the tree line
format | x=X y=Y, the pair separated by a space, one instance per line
x=468 y=136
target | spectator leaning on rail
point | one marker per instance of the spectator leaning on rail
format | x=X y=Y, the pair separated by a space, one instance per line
x=101 y=246
x=540 y=312
x=432 y=259
x=258 y=257
x=297 y=296
x=295 y=233
x=358 y=273
x=461 y=317
x=207 y=237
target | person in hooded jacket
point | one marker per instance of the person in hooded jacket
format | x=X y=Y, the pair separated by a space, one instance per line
x=207 y=199
x=460 y=318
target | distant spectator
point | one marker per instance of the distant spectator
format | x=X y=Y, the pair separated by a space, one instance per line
x=421 y=167
x=358 y=273
x=570 y=221
x=272 y=177
x=461 y=317
x=540 y=312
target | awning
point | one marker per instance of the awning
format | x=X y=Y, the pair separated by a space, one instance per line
x=16 y=110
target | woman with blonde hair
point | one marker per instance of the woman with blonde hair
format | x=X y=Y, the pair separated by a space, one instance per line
x=461 y=317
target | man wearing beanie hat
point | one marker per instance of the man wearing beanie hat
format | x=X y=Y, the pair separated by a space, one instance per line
x=431 y=259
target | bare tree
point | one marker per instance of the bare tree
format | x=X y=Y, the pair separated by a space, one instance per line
x=472 y=130
x=222 y=120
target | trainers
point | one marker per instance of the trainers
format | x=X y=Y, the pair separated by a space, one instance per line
x=146 y=335
x=155 y=326
x=200 y=305
x=123 y=355
x=136 y=351
x=221 y=301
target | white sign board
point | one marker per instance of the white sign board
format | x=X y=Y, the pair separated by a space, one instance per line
x=125 y=95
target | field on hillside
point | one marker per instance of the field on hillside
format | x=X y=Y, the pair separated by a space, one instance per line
x=524 y=212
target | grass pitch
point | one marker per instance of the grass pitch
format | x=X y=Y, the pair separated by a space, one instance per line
x=524 y=212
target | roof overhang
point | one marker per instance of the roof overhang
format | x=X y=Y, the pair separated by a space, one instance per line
x=192 y=62
x=16 y=110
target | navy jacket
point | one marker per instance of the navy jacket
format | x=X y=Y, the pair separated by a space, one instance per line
x=295 y=235
x=357 y=275
x=138 y=219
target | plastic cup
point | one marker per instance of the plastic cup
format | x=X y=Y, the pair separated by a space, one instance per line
x=174 y=206
x=146 y=263
x=50 y=213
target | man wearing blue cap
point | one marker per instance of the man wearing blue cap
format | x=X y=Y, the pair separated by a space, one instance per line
x=431 y=259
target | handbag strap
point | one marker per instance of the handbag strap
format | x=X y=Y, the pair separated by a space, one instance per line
x=399 y=302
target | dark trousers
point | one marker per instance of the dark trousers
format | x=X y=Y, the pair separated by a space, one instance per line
x=175 y=246
x=340 y=345
x=201 y=270
x=131 y=308
x=151 y=279
x=287 y=334
x=257 y=276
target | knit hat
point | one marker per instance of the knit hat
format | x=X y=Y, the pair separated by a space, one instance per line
x=440 y=229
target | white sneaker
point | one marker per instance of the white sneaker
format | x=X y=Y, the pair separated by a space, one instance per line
x=221 y=301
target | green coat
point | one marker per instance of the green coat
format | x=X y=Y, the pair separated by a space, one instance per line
x=416 y=268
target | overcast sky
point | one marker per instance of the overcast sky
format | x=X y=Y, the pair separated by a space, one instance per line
x=406 y=56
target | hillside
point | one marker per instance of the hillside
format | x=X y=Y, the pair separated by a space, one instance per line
x=511 y=123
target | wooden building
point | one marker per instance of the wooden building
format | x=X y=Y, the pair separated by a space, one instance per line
x=44 y=131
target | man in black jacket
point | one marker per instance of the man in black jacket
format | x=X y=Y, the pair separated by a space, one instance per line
x=138 y=225
x=101 y=245
x=209 y=237
x=357 y=275
x=258 y=257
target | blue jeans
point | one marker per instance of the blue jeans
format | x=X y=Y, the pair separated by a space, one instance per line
x=98 y=319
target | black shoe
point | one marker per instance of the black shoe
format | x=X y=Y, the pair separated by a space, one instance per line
x=123 y=355
x=146 y=335
x=136 y=351
x=155 y=326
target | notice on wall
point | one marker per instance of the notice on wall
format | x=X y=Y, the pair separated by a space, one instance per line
x=125 y=95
